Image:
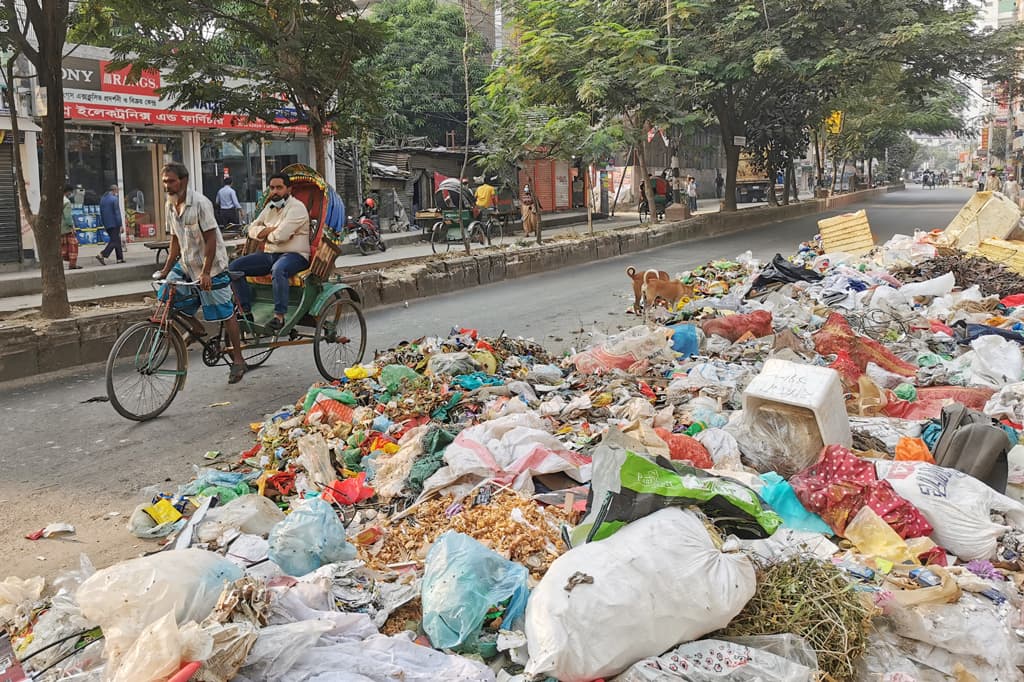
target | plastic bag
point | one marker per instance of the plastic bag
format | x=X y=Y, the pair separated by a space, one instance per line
x=957 y=505
x=777 y=437
x=874 y=537
x=839 y=484
x=328 y=392
x=763 y=658
x=781 y=271
x=451 y=364
x=837 y=335
x=684 y=448
x=931 y=400
x=1007 y=403
x=549 y=375
x=17 y=597
x=632 y=349
x=778 y=493
x=627 y=486
x=127 y=597
x=252 y=514
x=309 y=537
x=392 y=377
x=913 y=450
x=631 y=602
x=732 y=327
x=996 y=362
x=462 y=580
x=161 y=649
x=510 y=450
x=686 y=339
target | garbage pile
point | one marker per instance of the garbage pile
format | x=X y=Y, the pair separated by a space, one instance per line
x=809 y=472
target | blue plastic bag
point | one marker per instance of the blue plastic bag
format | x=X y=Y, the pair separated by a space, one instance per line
x=778 y=493
x=685 y=339
x=461 y=581
x=308 y=538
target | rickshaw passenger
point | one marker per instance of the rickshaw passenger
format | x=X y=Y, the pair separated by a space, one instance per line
x=283 y=225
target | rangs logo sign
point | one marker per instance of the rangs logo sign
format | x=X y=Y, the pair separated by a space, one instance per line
x=94 y=74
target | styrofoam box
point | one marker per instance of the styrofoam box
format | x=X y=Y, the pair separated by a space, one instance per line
x=816 y=388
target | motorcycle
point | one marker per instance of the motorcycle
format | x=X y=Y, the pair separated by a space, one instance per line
x=365 y=234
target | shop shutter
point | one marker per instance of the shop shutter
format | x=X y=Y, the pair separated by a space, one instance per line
x=544 y=183
x=10 y=225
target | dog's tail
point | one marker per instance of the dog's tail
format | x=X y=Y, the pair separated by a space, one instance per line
x=647 y=275
x=631 y=272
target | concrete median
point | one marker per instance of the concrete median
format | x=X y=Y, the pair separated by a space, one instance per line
x=27 y=349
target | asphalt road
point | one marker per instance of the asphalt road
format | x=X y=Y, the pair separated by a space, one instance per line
x=66 y=459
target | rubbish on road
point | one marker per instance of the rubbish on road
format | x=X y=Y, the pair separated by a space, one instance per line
x=844 y=422
x=52 y=530
x=846 y=233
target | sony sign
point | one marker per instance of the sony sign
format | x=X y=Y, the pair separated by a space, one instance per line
x=81 y=74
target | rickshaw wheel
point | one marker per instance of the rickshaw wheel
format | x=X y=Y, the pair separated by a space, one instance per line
x=439 y=236
x=339 y=340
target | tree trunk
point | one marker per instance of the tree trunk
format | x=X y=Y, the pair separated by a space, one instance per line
x=316 y=130
x=465 y=149
x=51 y=36
x=773 y=197
x=871 y=175
x=786 y=170
x=791 y=180
x=842 y=174
x=641 y=158
x=729 y=128
x=819 y=160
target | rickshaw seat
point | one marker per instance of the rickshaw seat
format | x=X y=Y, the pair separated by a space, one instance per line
x=297 y=280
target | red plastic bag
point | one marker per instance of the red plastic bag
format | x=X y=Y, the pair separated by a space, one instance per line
x=331 y=410
x=837 y=336
x=732 y=327
x=348 y=491
x=931 y=400
x=840 y=484
x=848 y=370
x=1013 y=300
x=683 y=447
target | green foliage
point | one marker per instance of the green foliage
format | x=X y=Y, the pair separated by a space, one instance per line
x=420 y=68
x=252 y=57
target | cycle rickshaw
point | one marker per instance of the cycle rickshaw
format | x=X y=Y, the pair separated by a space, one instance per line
x=458 y=213
x=148 y=363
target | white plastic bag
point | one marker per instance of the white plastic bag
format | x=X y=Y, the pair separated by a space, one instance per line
x=510 y=449
x=656 y=583
x=955 y=504
x=996 y=361
x=161 y=649
x=251 y=514
x=124 y=599
x=765 y=658
x=1007 y=403
x=16 y=599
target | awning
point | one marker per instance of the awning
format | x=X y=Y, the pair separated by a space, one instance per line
x=25 y=125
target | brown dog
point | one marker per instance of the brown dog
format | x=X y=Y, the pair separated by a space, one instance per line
x=638 y=283
x=669 y=293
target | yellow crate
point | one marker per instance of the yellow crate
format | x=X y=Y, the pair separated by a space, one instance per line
x=1010 y=254
x=847 y=233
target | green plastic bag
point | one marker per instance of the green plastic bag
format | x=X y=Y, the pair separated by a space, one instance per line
x=343 y=397
x=627 y=486
x=906 y=392
x=393 y=375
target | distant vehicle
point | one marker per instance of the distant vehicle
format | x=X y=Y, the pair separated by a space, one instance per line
x=957 y=178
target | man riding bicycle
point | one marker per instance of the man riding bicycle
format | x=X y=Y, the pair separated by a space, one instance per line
x=197 y=253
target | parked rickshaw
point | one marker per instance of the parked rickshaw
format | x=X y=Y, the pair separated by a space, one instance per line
x=147 y=366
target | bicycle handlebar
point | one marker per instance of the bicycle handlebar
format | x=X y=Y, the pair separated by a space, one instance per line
x=158 y=280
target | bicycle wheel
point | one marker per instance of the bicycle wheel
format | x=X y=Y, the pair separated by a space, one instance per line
x=145 y=370
x=439 y=238
x=476 y=233
x=339 y=340
x=253 y=357
x=495 y=231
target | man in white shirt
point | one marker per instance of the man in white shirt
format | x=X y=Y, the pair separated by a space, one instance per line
x=283 y=227
x=228 y=208
x=197 y=253
x=1012 y=190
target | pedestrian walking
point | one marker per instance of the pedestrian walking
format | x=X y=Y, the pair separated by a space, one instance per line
x=1011 y=189
x=994 y=184
x=719 y=184
x=110 y=216
x=228 y=208
x=691 y=193
x=68 y=238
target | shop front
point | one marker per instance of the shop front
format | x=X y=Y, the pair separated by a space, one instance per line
x=122 y=133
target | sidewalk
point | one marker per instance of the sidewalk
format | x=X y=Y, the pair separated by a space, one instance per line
x=95 y=283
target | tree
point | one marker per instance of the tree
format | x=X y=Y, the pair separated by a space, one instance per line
x=38 y=31
x=252 y=57
x=420 y=68
x=583 y=74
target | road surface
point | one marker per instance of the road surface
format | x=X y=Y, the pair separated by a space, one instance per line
x=66 y=459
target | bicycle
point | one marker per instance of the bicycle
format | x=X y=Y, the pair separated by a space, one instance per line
x=148 y=363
